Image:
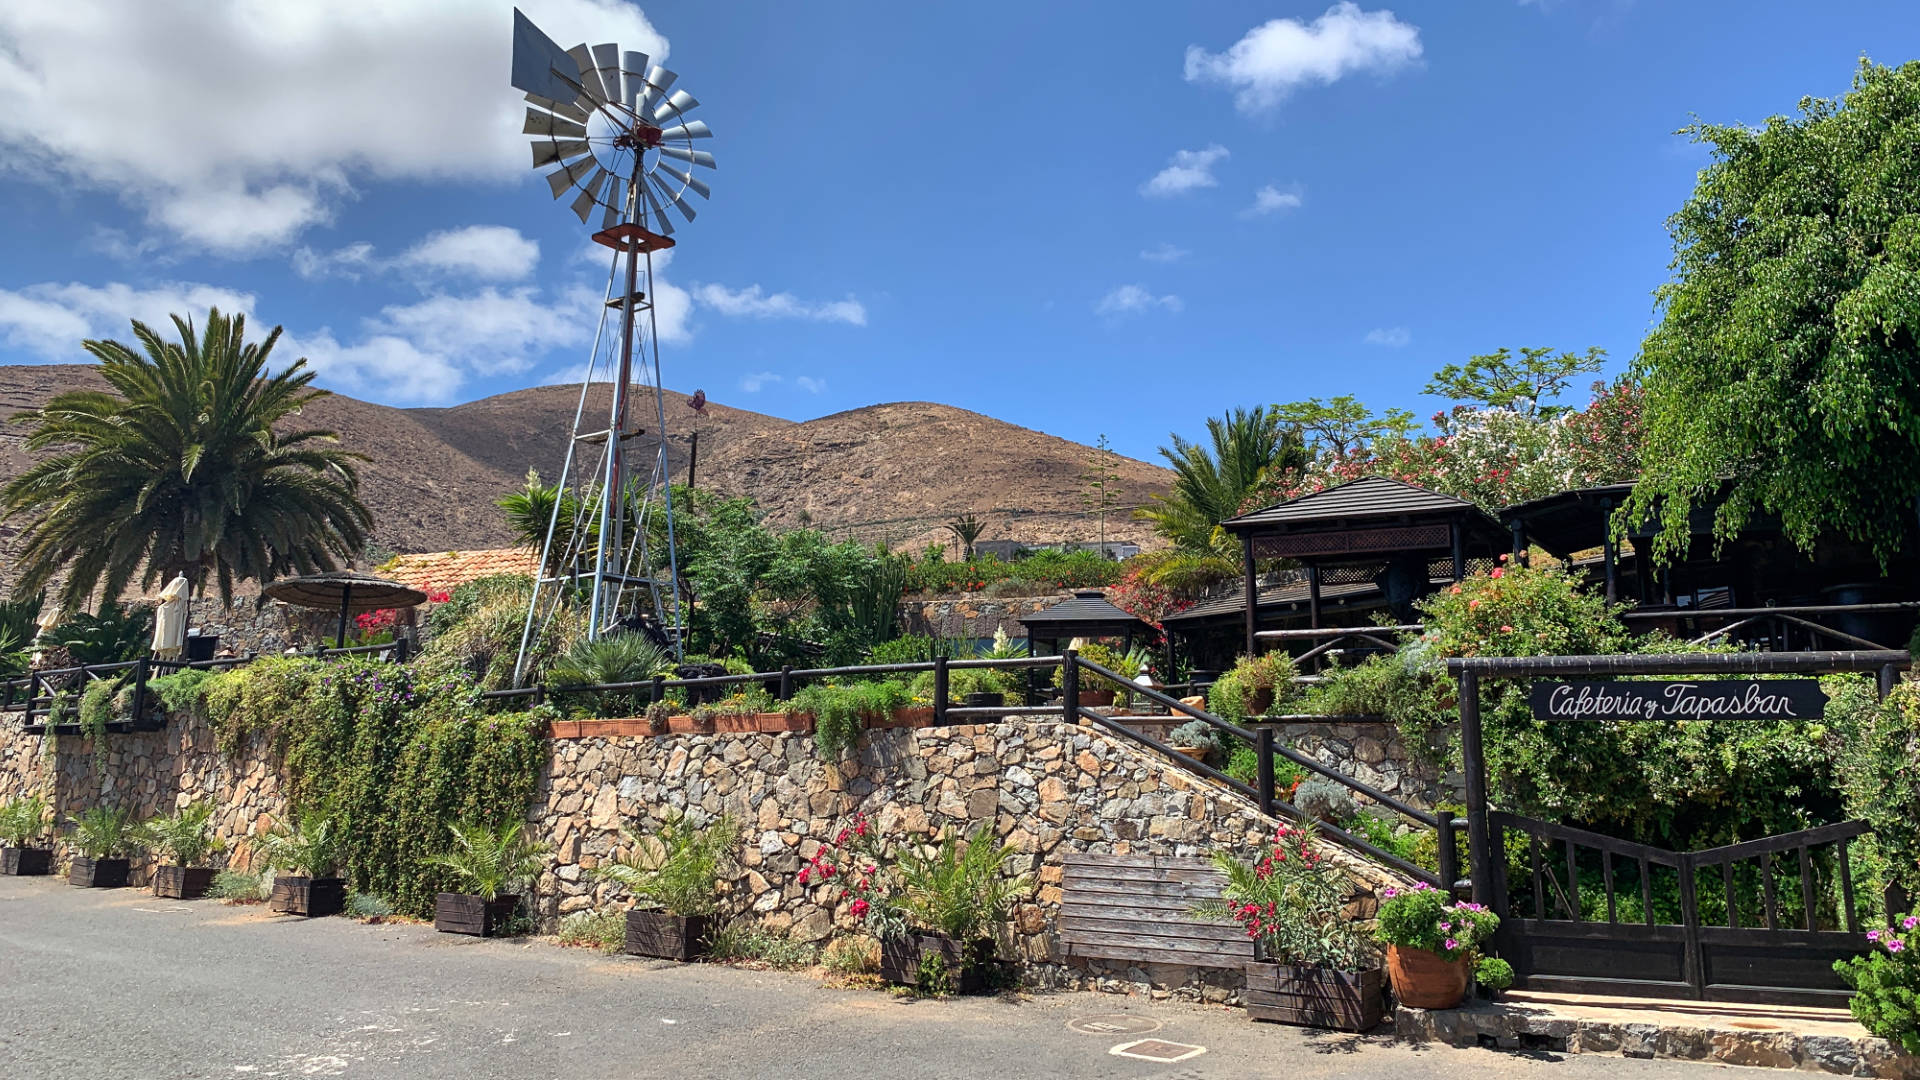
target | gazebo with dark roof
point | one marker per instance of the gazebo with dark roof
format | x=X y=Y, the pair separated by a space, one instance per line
x=1088 y=615
x=1370 y=520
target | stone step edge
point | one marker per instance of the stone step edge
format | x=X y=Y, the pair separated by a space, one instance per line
x=1496 y=1025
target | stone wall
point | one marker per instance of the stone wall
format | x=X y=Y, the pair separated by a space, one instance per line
x=1372 y=752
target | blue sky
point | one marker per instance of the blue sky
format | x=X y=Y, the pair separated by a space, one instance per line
x=1084 y=218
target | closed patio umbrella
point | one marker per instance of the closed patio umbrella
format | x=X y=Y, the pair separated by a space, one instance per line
x=170 y=619
x=347 y=591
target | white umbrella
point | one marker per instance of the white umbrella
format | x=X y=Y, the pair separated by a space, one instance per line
x=170 y=619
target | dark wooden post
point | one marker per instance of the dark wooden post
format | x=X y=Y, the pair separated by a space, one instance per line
x=786 y=682
x=940 y=691
x=1449 y=852
x=1479 y=854
x=1610 y=554
x=1519 y=530
x=1313 y=595
x=1458 y=540
x=1252 y=588
x=140 y=695
x=1885 y=679
x=1263 y=750
x=539 y=694
x=1070 y=686
x=659 y=690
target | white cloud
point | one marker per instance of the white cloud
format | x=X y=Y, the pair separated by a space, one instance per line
x=1130 y=299
x=1185 y=171
x=1392 y=337
x=1165 y=253
x=235 y=124
x=1270 y=200
x=751 y=302
x=383 y=367
x=810 y=384
x=50 y=320
x=493 y=331
x=753 y=383
x=486 y=252
x=1280 y=55
x=348 y=262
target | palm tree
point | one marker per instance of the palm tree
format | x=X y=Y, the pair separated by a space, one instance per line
x=1248 y=446
x=967 y=529
x=529 y=514
x=179 y=470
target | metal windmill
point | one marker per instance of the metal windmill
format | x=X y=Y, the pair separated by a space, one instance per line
x=609 y=128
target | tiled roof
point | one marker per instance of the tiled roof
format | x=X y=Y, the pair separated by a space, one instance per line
x=445 y=569
x=1370 y=496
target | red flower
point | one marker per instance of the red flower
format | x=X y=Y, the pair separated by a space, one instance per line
x=803 y=874
x=1497 y=572
x=858 y=908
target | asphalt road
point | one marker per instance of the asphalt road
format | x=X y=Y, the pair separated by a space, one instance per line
x=107 y=984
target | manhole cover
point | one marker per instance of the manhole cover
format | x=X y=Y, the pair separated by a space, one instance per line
x=1114 y=1024
x=1157 y=1050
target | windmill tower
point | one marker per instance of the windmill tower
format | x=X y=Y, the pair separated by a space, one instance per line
x=608 y=128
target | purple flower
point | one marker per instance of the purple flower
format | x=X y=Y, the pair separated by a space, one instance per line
x=1452 y=944
x=1910 y=922
x=1873 y=935
x=1446 y=926
x=1895 y=945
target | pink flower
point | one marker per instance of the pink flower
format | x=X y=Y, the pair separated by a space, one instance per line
x=1873 y=935
x=1455 y=590
x=843 y=837
x=1504 y=556
x=1452 y=944
x=858 y=908
x=1896 y=945
x=1498 y=572
x=1910 y=922
x=1471 y=604
x=1446 y=926
x=1506 y=629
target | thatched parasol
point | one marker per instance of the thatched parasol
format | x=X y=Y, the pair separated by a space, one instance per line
x=346 y=591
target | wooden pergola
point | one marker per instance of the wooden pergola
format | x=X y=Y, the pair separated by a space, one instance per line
x=1089 y=614
x=1370 y=520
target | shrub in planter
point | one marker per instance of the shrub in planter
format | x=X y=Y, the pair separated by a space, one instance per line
x=1492 y=975
x=842 y=711
x=23 y=822
x=1197 y=735
x=104 y=837
x=1887 y=984
x=1253 y=687
x=1431 y=943
x=674 y=875
x=490 y=862
x=1313 y=968
x=184 y=840
x=306 y=854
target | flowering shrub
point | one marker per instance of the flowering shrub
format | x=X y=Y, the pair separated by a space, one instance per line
x=1044 y=571
x=954 y=887
x=1291 y=903
x=1887 y=981
x=1423 y=917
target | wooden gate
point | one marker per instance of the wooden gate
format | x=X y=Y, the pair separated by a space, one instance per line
x=1761 y=921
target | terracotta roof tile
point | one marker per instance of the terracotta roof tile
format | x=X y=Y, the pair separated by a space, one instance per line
x=445 y=569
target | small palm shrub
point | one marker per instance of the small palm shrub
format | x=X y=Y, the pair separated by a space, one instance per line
x=105 y=833
x=185 y=838
x=491 y=861
x=956 y=887
x=677 y=869
x=620 y=658
x=309 y=847
x=23 y=820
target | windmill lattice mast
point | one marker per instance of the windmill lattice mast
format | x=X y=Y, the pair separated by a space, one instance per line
x=611 y=126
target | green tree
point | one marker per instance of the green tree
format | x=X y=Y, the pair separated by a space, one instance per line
x=529 y=514
x=1343 y=427
x=1500 y=380
x=179 y=468
x=1245 y=449
x=967 y=530
x=1784 y=374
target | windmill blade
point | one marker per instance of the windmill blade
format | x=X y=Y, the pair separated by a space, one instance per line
x=590 y=194
x=554 y=150
x=659 y=79
x=696 y=130
x=687 y=179
x=659 y=216
x=607 y=59
x=673 y=197
x=565 y=108
x=616 y=202
x=697 y=157
x=545 y=123
x=536 y=59
x=680 y=104
x=634 y=66
x=566 y=177
x=589 y=74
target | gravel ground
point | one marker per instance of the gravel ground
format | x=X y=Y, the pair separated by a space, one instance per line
x=115 y=983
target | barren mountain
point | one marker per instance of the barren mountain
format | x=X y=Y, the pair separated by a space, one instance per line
x=896 y=472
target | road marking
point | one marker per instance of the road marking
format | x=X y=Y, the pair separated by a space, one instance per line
x=1157 y=1050
x=1114 y=1024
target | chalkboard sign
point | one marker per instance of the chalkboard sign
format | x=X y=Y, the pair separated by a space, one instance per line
x=1748 y=699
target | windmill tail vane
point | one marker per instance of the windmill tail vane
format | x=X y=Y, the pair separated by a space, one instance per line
x=609 y=127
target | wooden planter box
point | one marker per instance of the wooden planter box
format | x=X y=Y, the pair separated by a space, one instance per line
x=669 y=937
x=98 y=873
x=309 y=896
x=900 y=960
x=465 y=913
x=182 y=882
x=1314 y=996
x=26 y=862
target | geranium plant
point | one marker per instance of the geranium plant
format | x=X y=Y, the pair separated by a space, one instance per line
x=1424 y=917
x=1887 y=984
x=1291 y=902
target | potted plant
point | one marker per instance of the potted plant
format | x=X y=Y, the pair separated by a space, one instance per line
x=675 y=877
x=23 y=821
x=1886 y=984
x=103 y=837
x=305 y=855
x=185 y=839
x=490 y=862
x=1431 y=943
x=1252 y=687
x=1312 y=968
x=1196 y=739
x=1095 y=690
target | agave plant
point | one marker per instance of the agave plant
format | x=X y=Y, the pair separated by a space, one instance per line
x=491 y=861
x=309 y=847
x=186 y=837
x=678 y=868
x=23 y=820
x=105 y=832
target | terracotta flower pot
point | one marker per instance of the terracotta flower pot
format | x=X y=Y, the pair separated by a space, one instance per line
x=1096 y=699
x=1425 y=980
